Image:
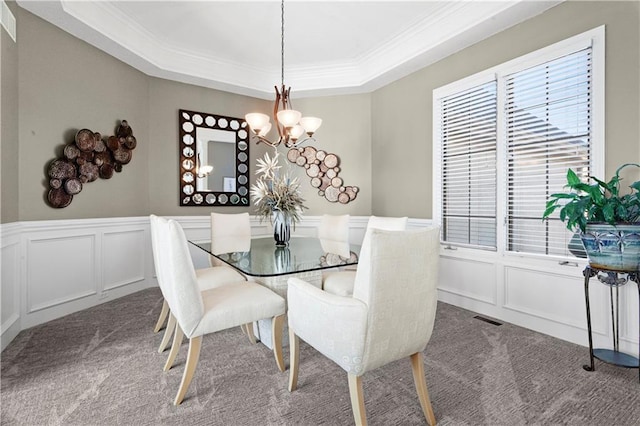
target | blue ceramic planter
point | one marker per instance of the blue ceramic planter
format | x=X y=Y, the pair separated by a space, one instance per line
x=613 y=247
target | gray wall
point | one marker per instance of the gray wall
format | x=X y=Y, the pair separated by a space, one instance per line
x=345 y=131
x=402 y=111
x=9 y=125
x=165 y=99
x=66 y=85
x=382 y=138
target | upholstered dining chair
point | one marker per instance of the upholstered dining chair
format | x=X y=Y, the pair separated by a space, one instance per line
x=390 y=315
x=231 y=232
x=333 y=231
x=341 y=282
x=207 y=278
x=203 y=312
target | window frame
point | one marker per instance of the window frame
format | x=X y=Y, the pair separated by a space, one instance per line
x=594 y=38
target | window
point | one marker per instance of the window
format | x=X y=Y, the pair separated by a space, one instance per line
x=548 y=115
x=468 y=121
x=504 y=140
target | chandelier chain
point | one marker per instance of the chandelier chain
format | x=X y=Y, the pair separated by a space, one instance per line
x=282 y=43
x=289 y=123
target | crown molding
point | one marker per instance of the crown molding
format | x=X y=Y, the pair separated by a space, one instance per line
x=453 y=26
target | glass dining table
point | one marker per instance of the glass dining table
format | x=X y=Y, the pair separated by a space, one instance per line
x=305 y=258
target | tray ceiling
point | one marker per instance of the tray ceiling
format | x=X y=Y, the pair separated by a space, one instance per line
x=330 y=47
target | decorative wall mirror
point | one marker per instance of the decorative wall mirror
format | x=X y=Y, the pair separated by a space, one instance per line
x=214 y=160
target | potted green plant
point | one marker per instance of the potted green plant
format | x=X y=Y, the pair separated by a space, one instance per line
x=607 y=221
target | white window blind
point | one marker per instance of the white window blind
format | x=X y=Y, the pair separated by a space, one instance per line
x=548 y=127
x=468 y=174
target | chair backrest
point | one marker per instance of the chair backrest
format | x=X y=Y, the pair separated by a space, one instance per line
x=179 y=277
x=156 y=246
x=385 y=223
x=388 y=223
x=333 y=233
x=397 y=277
x=229 y=233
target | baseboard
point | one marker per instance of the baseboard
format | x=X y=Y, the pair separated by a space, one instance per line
x=10 y=330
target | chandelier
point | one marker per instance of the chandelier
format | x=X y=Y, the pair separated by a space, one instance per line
x=291 y=125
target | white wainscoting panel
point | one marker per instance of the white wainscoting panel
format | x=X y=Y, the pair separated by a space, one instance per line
x=10 y=276
x=629 y=312
x=10 y=291
x=468 y=278
x=538 y=294
x=528 y=290
x=70 y=265
x=123 y=256
x=59 y=270
x=54 y=268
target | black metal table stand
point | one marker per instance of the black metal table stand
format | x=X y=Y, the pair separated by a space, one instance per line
x=614 y=280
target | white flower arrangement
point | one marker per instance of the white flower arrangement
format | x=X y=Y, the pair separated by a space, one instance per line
x=275 y=191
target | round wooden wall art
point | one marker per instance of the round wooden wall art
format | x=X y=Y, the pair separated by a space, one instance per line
x=323 y=169
x=86 y=159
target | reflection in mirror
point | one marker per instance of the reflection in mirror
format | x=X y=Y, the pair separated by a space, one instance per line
x=214 y=160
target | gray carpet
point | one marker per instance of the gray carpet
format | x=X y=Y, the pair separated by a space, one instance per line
x=101 y=366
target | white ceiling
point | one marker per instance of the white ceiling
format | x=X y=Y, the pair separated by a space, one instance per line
x=331 y=47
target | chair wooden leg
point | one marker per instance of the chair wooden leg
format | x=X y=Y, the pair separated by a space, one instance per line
x=294 y=360
x=250 y=334
x=357 y=400
x=421 y=387
x=190 y=368
x=247 y=330
x=175 y=347
x=276 y=331
x=168 y=331
x=163 y=316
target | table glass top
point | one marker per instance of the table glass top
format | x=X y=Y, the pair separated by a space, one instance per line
x=303 y=254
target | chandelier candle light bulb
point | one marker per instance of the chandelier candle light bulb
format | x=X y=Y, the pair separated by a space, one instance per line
x=257 y=121
x=310 y=124
x=265 y=130
x=289 y=117
x=296 y=131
